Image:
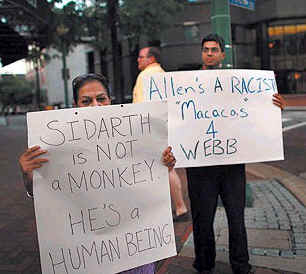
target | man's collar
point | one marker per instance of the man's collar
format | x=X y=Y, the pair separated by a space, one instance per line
x=152 y=65
x=204 y=67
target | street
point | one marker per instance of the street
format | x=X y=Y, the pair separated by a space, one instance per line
x=294 y=133
x=19 y=246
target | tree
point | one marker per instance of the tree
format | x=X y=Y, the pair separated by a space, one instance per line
x=127 y=20
x=38 y=56
x=66 y=31
x=113 y=22
x=108 y=23
x=103 y=35
x=145 y=18
x=98 y=33
x=15 y=91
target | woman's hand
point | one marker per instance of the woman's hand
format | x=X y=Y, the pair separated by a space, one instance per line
x=279 y=101
x=168 y=158
x=28 y=160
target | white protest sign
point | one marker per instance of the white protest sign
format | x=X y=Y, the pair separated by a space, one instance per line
x=102 y=202
x=219 y=117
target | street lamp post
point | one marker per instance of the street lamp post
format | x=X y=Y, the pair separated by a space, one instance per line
x=61 y=31
x=221 y=24
x=65 y=74
x=36 y=67
x=34 y=51
x=113 y=17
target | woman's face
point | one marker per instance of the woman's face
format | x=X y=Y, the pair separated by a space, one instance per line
x=93 y=94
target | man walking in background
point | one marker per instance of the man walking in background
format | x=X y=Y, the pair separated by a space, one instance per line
x=149 y=63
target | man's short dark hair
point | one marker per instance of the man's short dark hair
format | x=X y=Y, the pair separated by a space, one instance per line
x=155 y=52
x=81 y=80
x=216 y=38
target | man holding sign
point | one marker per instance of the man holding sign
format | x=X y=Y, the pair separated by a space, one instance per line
x=205 y=184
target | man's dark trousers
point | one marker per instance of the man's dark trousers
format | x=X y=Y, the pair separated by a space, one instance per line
x=204 y=186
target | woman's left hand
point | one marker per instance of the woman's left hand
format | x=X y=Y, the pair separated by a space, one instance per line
x=279 y=101
x=168 y=158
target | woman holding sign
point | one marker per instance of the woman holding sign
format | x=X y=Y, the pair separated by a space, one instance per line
x=88 y=90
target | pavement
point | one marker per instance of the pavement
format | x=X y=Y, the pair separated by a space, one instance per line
x=276 y=227
x=275 y=220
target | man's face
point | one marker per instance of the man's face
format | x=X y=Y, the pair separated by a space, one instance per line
x=212 y=55
x=143 y=59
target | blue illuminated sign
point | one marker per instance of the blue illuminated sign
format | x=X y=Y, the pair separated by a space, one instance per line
x=248 y=4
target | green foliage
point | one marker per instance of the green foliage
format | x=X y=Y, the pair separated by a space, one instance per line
x=15 y=90
x=67 y=26
x=137 y=18
x=146 y=17
x=106 y=23
x=95 y=21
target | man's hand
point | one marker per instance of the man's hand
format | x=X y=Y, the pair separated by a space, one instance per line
x=279 y=101
x=29 y=160
x=168 y=158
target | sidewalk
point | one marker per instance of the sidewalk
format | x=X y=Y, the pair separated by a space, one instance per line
x=277 y=238
x=276 y=226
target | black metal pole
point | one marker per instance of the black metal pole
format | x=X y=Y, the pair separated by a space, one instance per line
x=113 y=17
x=37 y=76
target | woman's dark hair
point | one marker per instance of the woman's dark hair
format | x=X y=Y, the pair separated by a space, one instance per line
x=216 y=38
x=81 y=80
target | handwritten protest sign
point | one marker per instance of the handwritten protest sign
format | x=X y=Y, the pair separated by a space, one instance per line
x=102 y=201
x=219 y=117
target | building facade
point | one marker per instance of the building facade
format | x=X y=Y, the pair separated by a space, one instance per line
x=270 y=37
x=78 y=62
